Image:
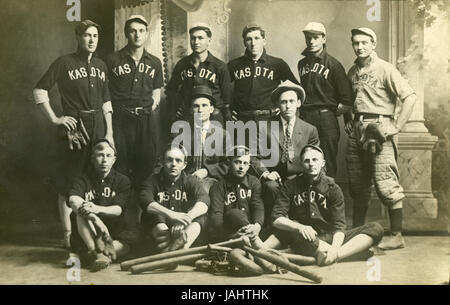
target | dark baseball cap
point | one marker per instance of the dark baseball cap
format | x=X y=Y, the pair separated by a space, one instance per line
x=252 y=27
x=82 y=26
x=101 y=142
x=201 y=27
x=308 y=147
x=203 y=91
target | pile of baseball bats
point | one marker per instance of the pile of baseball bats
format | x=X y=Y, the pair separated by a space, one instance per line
x=183 y=256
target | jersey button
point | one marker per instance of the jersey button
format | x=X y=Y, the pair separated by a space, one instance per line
x=243 y=209
x=92 y=85
x=172 y=208
x=312 y=214
x=173 y=195
x=135 y=80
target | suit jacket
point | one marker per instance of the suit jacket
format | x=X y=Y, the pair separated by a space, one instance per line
x=303 y=134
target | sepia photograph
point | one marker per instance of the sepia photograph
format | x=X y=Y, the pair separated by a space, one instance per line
x=225 y=142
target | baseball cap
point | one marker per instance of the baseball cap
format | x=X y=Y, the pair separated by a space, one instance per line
x=315 y=28
x=238 y=151
x=286 y=86
x=365 y=31
x=136 y=18
x=101 y=142
x=310 y=147
x=203 y=91
x=82 y=26
x=201 y=26
x=252 y=27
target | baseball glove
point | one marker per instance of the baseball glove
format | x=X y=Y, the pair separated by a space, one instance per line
x=373 y=139
x=78 y=137
x=109 y=247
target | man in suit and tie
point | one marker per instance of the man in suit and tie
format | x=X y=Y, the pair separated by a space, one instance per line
x=294 y=134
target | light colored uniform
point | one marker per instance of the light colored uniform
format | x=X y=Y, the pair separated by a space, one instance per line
x=376 y=87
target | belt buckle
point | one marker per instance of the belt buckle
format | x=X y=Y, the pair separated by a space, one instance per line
x=136 y=110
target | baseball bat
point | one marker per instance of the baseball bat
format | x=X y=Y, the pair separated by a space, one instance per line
x=136 y=269
x=284 y=264
x=125 y=265
x=300 y=259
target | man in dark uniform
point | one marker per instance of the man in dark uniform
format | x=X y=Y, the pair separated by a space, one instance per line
x=174 y=204
x=136 y=79
x=236 y=205
x=328 y=92
x=200 y=68
x=255 y=75
x=98 y=198
x=309 y=215
x=82 y=82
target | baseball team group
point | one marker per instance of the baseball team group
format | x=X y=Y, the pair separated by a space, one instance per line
x=120 y=192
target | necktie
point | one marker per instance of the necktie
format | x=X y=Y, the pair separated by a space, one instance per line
x=286 y=143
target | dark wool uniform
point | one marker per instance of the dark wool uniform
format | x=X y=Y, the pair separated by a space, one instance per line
x=255 y=81
x=131 y=89
x=326 y=85
x=178 y=196
x=83 y=86
x=235 y=202
x=112 y=190
x=212 y=72
x=319 y=204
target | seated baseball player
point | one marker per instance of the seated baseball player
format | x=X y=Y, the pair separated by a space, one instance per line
x=206 y=140
x=174 y=204
x=236 y=205
x=98 y=199
x=309 y=216
x=294 y=134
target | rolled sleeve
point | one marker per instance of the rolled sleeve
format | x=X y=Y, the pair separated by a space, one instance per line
x=282 y=203
x=398 y=85
x=337 y=209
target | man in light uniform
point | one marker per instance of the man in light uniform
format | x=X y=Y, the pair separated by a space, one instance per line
x=377 y=85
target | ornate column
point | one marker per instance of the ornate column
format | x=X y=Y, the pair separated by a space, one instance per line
x=415 y=142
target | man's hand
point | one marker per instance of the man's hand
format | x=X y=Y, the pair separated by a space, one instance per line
x=89 y=207
x=110 y=139
x=332 y=255
x=177 y=230
x=341 y=109
x=349 y=127
x=181 y=218
x=307 y=232
x=67 y=121
x=155 y=105
x=389 y=129
x=161 y=235
x=200 y=173
x=251 y=230
x=272 y=176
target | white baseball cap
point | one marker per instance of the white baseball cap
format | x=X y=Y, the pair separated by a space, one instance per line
x=315 y=28
x=365 y=31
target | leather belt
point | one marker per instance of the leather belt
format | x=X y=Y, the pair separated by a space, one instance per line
x=137 y=110
x=258 y=113
x=368 y=116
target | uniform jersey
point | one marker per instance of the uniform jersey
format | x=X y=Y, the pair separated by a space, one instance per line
x=324 y=80
x=131 y=85
x=83 y=84
x=232 y=193
x=178 y=196
x=319 y=204
x=114 y=189
x=377 y=86
x=212 y=72
x=255 y=81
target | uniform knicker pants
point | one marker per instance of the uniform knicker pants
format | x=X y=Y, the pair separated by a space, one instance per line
x=309 y=248
x=136 y=138
x=328 y=127
x=380 y=170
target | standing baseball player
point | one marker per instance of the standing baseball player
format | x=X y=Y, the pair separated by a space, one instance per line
x=200 y=68
x=83 y=85
x=174 y=204
x=328 y=92
x=255 y=75
x=236 y=205
x=309 y=216
x=136 y=79
x=372 y=146
x=98 y=198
